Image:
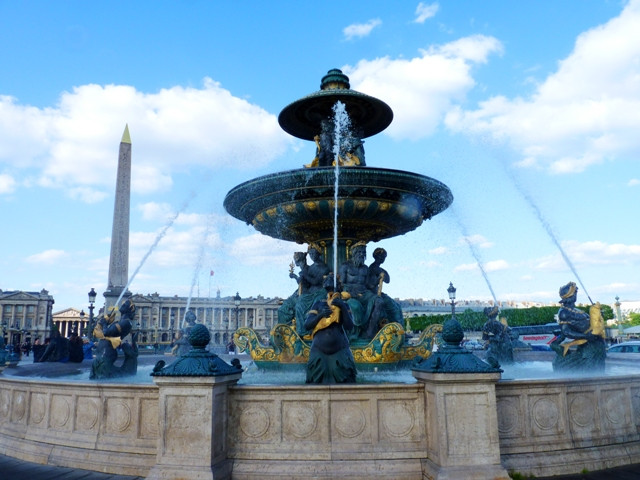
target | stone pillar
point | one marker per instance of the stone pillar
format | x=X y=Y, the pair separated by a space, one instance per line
x=462 y=425
x=193 y=414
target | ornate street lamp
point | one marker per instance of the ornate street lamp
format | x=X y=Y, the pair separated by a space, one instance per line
x=92 y=299
x=452 y=296
x=236 y=301
x=80 y=328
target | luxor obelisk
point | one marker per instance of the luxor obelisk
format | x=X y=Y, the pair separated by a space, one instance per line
x=119 y=257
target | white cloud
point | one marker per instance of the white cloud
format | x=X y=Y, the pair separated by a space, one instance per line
x=421 y=90
x=465 y=267
x=439 y=251
x=492 y=266
x=424 y=11
x=74 y=146
x=258 y=249
x=477 y=240
x=48 y=257
x=359 y=30
x=7 y=184
x=495 y=265
x=582 y=254
x=633 y=182
x=582 y=114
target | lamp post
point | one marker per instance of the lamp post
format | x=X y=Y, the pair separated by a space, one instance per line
x=452 y=296
x=80 y=328
x=236 y=301
x=173 y=319
x=619 y=317
x=92 y=299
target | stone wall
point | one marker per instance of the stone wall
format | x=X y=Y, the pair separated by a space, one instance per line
x=101 y=427
x=545 y=427
x=359 y=431
x=553 y=427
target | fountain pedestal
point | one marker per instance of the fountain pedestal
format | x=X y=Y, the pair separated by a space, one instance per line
x=192 y=409
x=461 y=418
x=192 y=443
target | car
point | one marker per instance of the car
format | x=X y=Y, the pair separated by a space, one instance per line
x=473 y=345
x=625 y=347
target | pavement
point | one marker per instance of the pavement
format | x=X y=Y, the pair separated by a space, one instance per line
x=13 y=468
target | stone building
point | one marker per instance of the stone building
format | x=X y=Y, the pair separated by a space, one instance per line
x=159 y=319
x=25 y=316
x=71 y=320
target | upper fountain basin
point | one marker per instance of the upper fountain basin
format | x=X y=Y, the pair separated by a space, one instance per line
x=373 y=203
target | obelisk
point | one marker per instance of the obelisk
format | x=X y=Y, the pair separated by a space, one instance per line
x=119 y=257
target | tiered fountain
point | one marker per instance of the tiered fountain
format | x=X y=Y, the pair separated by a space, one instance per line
x=336 y=202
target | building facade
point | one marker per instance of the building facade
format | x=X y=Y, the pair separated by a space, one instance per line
x=159 y=319
x=71 y=320
x=25 y=316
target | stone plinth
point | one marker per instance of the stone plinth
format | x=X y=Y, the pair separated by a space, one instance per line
x=193 y=440
x=462 y=422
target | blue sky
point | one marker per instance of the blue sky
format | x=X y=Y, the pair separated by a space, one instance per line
x=529 y=111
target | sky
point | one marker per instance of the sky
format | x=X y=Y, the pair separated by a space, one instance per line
x=528 y=111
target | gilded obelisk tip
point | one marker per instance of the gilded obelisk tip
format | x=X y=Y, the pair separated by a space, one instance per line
x=125 y=136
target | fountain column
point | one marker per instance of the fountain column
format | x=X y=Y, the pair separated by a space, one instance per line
x=461 y=410
x=193 y=413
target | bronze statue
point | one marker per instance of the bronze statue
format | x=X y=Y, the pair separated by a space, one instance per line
x=585 y=331
x=498 y=338
x=287 y=311
x=58 y=348
x=310 y=281
x=330 y=358
x=376 y=278
x=110 y=331
x=182 y=345
x=367 y=306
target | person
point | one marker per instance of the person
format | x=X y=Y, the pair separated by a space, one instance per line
x=87 y=348
x=365 y=305
x=583 y=330
x=76 y=353
x=376 y=277
x=330 y=358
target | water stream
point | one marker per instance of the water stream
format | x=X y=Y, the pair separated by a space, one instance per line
x=475 y=253
x=160 y=236
x=342 y=123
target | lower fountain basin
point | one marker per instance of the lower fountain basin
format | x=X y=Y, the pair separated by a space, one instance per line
x=373 y=203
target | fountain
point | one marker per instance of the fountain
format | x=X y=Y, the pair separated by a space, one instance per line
x=197 y=422
x=338 y=205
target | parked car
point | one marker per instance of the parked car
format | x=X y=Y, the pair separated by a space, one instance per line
x=473 y=345
x=625 y=347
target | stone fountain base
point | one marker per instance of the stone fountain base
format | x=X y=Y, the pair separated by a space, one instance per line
x=444 y=426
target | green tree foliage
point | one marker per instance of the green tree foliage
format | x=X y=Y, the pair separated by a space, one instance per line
x=633 y=320
x=516 y=317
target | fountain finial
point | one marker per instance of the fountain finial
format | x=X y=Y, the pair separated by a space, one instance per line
x=335 y=80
